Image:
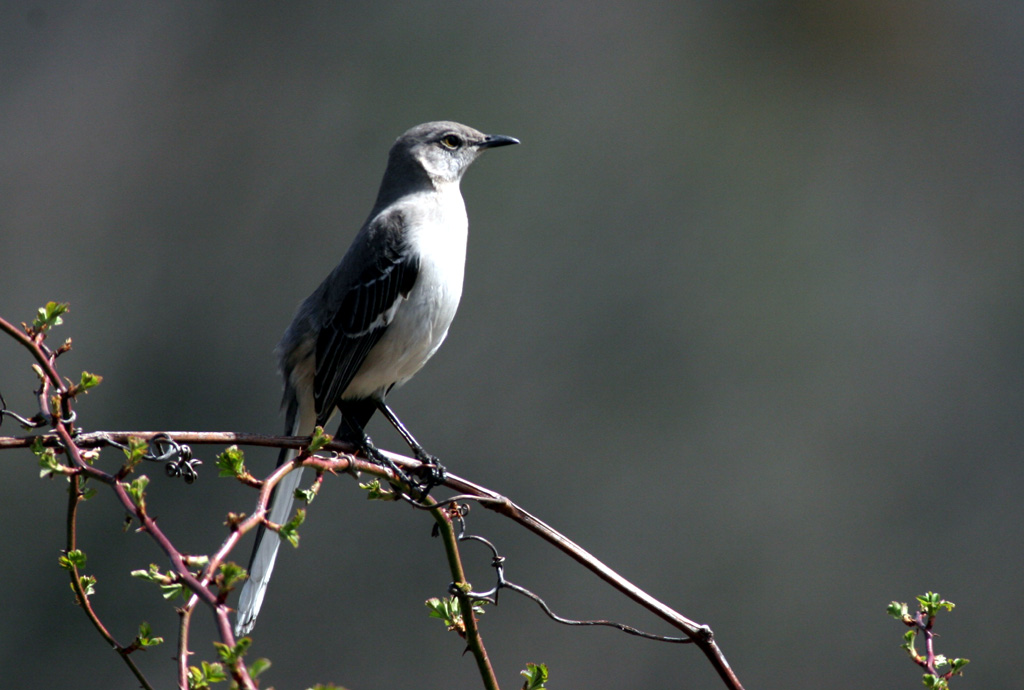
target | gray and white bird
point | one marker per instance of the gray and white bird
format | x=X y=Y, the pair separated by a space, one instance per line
x=379 y=316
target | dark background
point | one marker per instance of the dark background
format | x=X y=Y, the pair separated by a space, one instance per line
x=742 y=316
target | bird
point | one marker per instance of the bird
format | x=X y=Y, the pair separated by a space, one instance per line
x=377 y=318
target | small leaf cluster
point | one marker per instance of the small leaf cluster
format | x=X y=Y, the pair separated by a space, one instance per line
x=449 y=610
x=135 y=452
x=536 y=676
x=231 y=658
x=231 y=463
x=72 y=559
x=49 y=316
x=307 y=495
x=144 y=639
x=290 y=529
x=203 y=676
x=231 y=655
x=938 y=667
x=48 y=463
x=170 y=586
x=375 y=491
x=136 y=489
x=86 y=382
x=87 y=583
x=229 y=574
x=319 y=439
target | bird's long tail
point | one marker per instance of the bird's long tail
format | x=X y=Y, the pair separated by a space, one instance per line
x=265 y=550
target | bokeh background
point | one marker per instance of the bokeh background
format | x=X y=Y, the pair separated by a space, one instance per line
x=743 y=316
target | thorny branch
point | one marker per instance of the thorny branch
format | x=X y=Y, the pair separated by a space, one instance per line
x=74 y=498
x=173 y=448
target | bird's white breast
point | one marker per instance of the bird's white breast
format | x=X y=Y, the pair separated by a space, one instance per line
x=437 y=232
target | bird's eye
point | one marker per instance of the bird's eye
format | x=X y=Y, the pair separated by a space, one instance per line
x=450 y=141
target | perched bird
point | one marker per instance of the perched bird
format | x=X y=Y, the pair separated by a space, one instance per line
x=379 y=315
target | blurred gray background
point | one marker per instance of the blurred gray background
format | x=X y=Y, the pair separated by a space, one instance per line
x=742 y=316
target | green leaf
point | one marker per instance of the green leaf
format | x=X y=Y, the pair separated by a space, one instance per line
x=536 y=676
x=137 y=491
x=88 y=583
x=72 y=559
x=376 y=492
x=446 y=609
x=897 y=610
x=259 y=666
x=319 y=440
x=48 y=463
x=201 y=678
x=89 y=381
x=145 y=637
x=135 y=452
x=151 y=575
x=229 y=575
x=174 y=590
x=231 y=462
x=290 y=529
x=232 y=655
x=931 y=603
x=170 y=586
x=449 y=610
x=49 y=316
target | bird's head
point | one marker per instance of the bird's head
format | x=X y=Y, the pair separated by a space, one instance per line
x=443 y=150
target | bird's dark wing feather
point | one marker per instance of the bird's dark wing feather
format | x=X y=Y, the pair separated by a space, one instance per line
x=365 y=312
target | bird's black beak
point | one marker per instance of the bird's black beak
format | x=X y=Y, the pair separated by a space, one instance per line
x=494 y=140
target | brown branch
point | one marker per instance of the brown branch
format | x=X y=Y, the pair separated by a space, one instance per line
x=701 y=635
x=183 y=629
x=473 y=637
x=40 y=352
x=62 y=436
x=74 y=498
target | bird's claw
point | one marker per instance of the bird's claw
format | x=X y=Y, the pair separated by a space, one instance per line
x=431 y=473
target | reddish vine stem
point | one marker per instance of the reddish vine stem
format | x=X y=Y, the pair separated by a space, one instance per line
x=702 y=635
x=74 y=498
x=63 y=436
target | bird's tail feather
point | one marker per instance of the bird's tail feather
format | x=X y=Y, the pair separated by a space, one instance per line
x=265 y=551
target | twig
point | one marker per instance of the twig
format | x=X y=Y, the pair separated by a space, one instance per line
x=702 y=635
x=64 y=436
x=460 y=590
x=185 y=613
x=74 y=497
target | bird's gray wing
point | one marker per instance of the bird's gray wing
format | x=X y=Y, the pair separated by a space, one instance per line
x=365 y=308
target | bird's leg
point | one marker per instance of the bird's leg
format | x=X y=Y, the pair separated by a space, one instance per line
x=434 y=470
x=353 y=433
